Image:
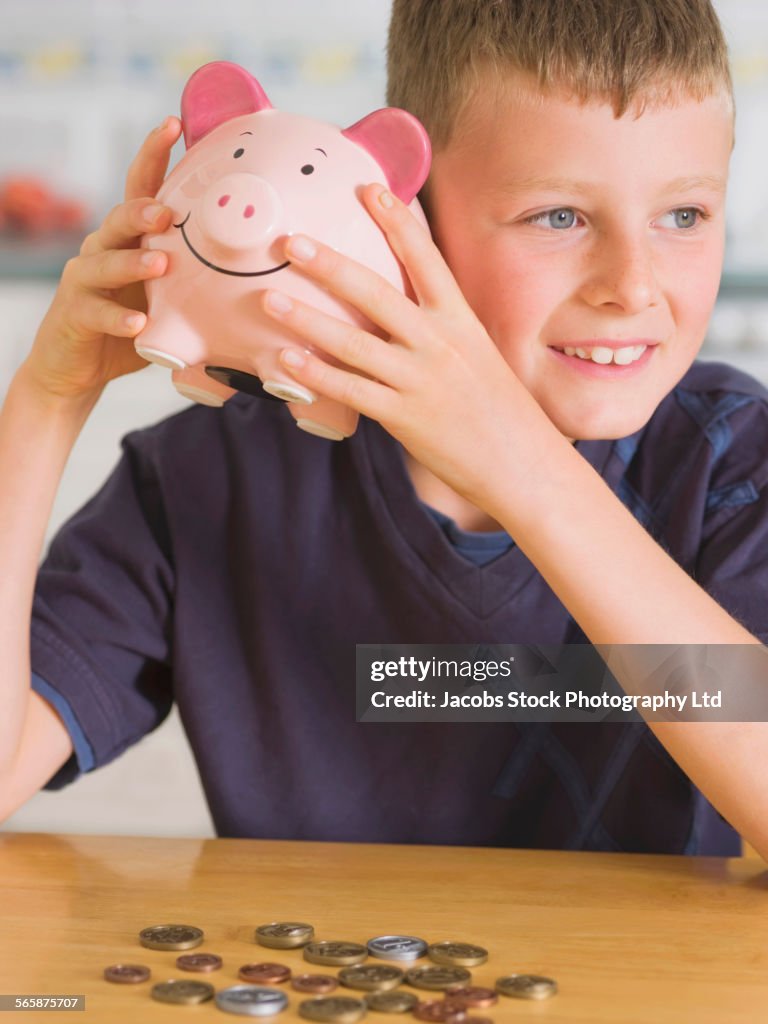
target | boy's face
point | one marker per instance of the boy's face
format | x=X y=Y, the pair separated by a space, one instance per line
x=566 y=227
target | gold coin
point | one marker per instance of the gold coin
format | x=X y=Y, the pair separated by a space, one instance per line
x=392 y=1002
x=185 y=992
x=441 y=977
x=371 y=977
x=526 y=986
x=339 y=954
x=339 y=1009
x=284 y=934
x=170 y=936
x=462 y=954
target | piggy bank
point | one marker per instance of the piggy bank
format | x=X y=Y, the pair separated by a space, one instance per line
x=252 y=176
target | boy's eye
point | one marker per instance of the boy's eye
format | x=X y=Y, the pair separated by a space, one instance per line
x=238 y=153
x=560 y=219
x=685 y=217
x=307 y=169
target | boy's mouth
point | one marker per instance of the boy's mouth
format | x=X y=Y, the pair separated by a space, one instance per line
x=604 y=357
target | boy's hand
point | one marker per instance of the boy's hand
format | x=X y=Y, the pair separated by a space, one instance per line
x=439 y=385
x=84 y=340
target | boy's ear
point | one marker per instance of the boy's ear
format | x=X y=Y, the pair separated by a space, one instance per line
x=400 y=144
x=216 y=93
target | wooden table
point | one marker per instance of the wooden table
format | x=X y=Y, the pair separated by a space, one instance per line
x=627 y=937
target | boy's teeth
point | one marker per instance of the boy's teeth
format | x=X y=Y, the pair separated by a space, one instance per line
x=601 y=354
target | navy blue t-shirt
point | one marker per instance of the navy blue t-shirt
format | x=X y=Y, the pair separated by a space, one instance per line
x=231 y=563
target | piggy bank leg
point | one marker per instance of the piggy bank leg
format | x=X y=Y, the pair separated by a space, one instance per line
x=276 y=382
x=289 y=392
x=195 y=384
x=169 y=341
x=325 y=418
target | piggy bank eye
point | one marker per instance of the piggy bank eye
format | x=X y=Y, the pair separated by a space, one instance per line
x=307 y=169
x=238 y=153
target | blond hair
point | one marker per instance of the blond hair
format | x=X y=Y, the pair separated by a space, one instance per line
x=627 y=52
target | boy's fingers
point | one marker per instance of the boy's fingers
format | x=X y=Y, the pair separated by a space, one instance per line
x=125 y=223
x=147 y=172
x=117 y=268
x=92 y=315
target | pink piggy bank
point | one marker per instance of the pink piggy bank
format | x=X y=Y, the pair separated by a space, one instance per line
x=252 y=176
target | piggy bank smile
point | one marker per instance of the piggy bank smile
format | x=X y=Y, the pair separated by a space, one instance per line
x=223 y=270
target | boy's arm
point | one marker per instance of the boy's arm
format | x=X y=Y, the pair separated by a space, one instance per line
x=442 y=388
x=37 y=432
x=83 y=342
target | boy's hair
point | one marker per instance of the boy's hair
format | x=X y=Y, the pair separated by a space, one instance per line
x=628 y=52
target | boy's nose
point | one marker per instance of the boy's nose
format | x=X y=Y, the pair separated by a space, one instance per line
x=623 y=275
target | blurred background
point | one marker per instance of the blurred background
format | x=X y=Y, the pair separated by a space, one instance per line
x=81 y=84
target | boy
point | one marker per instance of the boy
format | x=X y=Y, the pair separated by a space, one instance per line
x=539 y=463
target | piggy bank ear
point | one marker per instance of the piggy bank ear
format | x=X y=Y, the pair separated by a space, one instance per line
x=400 y=144
x=216 y=93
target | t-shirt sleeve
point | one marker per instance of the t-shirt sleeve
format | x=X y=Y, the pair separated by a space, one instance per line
x=102 y=615
x=732 y=563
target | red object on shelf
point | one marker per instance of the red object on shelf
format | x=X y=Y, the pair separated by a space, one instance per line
x=28 y=206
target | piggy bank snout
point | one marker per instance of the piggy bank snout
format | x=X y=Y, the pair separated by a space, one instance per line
x=238 y=212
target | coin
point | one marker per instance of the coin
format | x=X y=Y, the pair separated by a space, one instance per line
x=339 y=1009
x=186 y=992
x=284 y=934
x=318 y=984
x=198 y=962
x=340 y=954
x=170 y=936
x=264 y=974
x=526 y=986
x=474 y=997
x=397 y=947
x=437 y=977
x=371 y=977
x=462 y=954
x=251 y=1000
x=127 y=974
x=441 y=1011
x=392 y=1002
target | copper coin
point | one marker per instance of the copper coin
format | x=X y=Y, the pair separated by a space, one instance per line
x=474 y=997
x=441 y=1011
x=264 y=974
x=127 y=974
x=199 y=962
x=319 y=984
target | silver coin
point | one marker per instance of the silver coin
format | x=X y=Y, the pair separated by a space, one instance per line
x=526 y=986
x=251 y=1000
x=397 y=947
